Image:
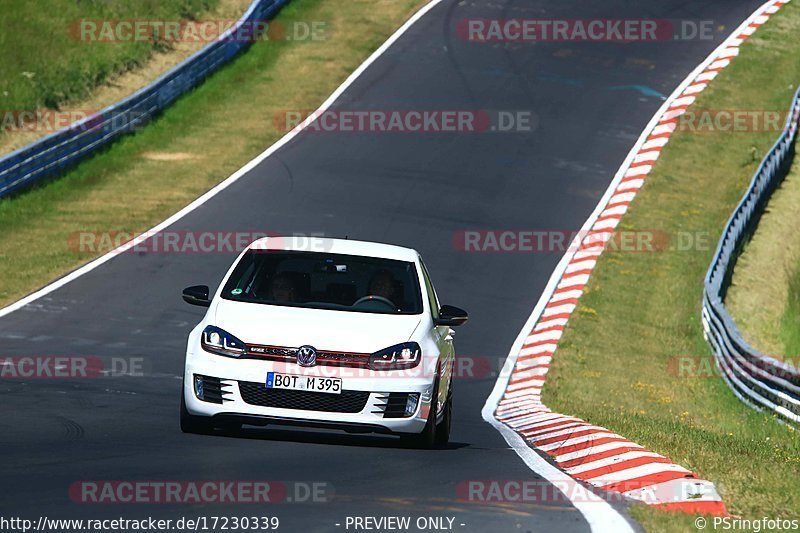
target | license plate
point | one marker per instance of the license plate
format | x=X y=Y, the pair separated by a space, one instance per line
x=306 y=383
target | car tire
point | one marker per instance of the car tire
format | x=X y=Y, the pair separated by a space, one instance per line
x=199 y=425
x=442 y=434
x=427 y=438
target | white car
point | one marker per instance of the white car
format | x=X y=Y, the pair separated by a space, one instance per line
x=326 y=333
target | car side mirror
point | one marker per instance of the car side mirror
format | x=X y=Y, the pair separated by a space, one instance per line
x=451 y=316
x=197 y=295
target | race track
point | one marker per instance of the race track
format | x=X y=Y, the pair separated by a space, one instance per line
x=590 y=101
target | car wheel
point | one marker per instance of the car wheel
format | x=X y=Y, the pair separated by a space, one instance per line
x=442 y=434
x=427 y=439
x=201 y=425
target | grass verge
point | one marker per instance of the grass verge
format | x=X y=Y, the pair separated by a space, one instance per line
x=180 y=155
x=616 y=365
x=790 y=322
x=764 y=311
x=76 y=76
x=44 y=60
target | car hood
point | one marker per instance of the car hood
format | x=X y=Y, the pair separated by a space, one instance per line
x=324 y=329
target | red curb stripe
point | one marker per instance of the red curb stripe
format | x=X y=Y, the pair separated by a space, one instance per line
x=548 y=428
x=600 y=455
x=591 y=430
x=583 y=445
x=644 y=481
x=622 y=465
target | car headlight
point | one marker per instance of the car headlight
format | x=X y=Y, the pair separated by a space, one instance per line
x=406 y=355
x=220 y=342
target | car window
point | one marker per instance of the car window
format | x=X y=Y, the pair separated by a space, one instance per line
x=432 y=298
x=325 y=281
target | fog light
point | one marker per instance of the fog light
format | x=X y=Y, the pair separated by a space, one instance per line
x=427 y=395
x=198 y=386
x=411 y=404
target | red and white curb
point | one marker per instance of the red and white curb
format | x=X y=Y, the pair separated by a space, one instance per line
x=589 y=453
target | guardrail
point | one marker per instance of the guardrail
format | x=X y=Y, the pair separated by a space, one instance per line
x=762 y=382
x=54 y=153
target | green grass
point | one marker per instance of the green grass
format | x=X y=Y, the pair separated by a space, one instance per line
x=762 y=311
x=790 y=323
x=45 y=64
x=146 y=177
x=642 y=310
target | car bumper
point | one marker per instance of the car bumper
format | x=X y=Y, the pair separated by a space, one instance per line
x=243 y=383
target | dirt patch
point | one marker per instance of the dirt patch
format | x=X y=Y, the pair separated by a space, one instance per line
x=168 y=156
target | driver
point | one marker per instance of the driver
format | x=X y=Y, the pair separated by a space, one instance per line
x=383 y=284
x=281 y=289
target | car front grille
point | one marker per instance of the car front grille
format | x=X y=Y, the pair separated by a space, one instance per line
x=346 y=402
x=324 y=357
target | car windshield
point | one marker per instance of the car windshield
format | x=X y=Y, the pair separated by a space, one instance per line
x=325 y=281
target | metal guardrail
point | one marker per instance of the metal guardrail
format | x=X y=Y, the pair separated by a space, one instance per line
x=762 y=382
x=54 y=153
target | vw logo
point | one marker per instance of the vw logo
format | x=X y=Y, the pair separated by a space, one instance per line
x=306 y=356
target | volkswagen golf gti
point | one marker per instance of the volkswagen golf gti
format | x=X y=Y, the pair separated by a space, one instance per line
x=325 y=333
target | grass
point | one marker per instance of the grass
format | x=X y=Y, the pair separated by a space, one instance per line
x=762 y=311
x=46 y=64
x=178 y=157
x=790 y=321
x=641 y=312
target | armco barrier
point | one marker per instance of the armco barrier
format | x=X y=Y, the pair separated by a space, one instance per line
x=760 y=381
x=54 y=153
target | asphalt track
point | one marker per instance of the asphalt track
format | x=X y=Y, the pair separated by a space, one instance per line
x=591 y=102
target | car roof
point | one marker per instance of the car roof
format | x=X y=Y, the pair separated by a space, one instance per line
x=335 y=246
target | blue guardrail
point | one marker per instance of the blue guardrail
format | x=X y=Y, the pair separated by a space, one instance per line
x=762 y=382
